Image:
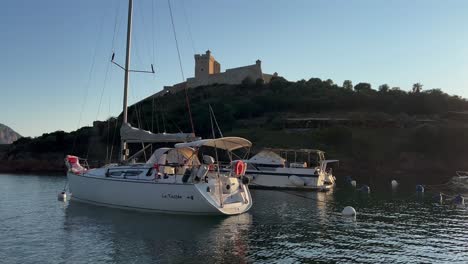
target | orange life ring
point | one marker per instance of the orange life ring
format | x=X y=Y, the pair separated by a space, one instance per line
x=240 y=166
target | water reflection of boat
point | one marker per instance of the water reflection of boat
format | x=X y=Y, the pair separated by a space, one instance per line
x=461 y=175
x=162 y=236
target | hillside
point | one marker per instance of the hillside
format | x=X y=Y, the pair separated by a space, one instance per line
x=377 y=134
x=8 y=135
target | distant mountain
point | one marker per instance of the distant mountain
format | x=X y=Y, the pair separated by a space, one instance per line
x=8 y=135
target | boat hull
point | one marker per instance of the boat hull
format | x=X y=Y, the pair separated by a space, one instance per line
x=288 y=178
x=148 y=196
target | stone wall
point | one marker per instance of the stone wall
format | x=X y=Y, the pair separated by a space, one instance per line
x=231 y=76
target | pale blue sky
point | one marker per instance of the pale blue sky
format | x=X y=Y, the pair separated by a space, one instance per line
x=53 y=51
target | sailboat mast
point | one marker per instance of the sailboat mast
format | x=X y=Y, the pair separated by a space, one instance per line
x=127 y=75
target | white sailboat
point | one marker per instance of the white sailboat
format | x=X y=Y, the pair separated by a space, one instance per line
x=173 y=180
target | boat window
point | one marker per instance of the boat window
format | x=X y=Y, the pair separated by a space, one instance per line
x=133 y=173
x=266 y=165
x=115 y=173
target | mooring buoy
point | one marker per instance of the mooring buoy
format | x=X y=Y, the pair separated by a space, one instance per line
x=353 y=183
x=365 y=189
x=419 y=188
x=394 y=184
x=62 y=196
x=459 y=200
x=348 y=179
x=348 y=211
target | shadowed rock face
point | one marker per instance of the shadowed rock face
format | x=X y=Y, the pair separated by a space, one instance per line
x=8 y=135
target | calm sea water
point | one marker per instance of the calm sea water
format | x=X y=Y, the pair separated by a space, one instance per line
x=391 y=227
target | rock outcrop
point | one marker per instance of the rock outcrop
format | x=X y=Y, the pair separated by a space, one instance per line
x=8 y=135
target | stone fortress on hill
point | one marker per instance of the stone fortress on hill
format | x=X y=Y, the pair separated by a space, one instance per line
x=208 y=72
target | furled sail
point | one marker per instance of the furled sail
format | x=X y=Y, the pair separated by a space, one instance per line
x=131 y=135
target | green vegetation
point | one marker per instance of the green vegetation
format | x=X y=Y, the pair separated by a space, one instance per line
x=280 y=98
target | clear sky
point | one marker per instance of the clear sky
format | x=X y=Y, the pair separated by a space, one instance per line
x=55 y=53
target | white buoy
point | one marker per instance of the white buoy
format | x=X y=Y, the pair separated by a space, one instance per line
x=353 y=183
x=394 y=184
x=419 y=188
x=348 y=211
x=62 y=196
x=365 y=189
x=459 y=200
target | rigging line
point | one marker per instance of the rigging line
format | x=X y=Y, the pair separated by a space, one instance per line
x=90 y=75
x=143 y=121
x=216 y=121
x=135 y=111
x=152 y=114
x=114 y=34
x=212 y=126
x=176 y=126
x=152 y=32
x=157 y=117
x=188 y=27
x=107 y=141
x=162 y=115
x=181 y=68
x=136 y=49
x=163 y=121
x=116 y=21
x=142 y=18
x=100 y=100
x=105 y=80
x=113 y=140
x=137 y=114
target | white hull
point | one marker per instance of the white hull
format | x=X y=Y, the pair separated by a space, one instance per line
x=290 y=178
x=167 y=196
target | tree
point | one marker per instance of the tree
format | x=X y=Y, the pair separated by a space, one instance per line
x=363 y=87
x=348 y=85
x=259 y=82
x=417 y=87
x=315 y=82
x=384 y=88
x=328 y=83
x=247 y=82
